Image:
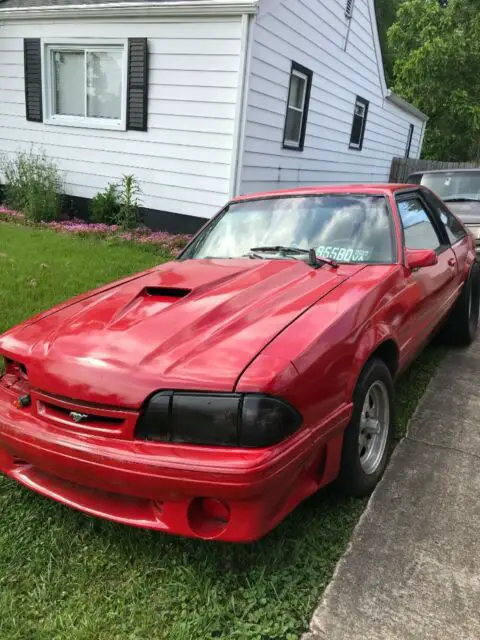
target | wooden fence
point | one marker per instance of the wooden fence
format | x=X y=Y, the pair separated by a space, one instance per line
x=402 y=167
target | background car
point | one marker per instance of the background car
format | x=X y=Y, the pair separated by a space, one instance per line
x=460 y=189
x=209 y=396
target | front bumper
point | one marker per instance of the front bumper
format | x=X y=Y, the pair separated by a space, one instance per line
x=160 y=486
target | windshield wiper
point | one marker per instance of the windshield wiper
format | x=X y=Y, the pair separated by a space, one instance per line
x=460 y=199
x=313 y=259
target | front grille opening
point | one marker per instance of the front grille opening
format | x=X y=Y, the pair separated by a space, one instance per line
x=67 y=414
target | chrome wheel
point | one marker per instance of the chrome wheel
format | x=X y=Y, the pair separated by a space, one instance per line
x=374 y=426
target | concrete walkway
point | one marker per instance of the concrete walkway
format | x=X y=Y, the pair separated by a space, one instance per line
x=412 y=570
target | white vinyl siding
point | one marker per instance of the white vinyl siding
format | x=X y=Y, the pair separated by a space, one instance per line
x=313 y=33
x=183 y=161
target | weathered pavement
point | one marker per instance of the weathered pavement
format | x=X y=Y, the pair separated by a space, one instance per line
x=412 y=570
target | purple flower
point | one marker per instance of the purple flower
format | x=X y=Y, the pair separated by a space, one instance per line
x=173 y=243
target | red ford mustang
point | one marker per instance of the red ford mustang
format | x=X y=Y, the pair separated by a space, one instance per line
x=209 y=396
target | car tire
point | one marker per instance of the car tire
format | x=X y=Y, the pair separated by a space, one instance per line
x=462 y=322
x=368 y=438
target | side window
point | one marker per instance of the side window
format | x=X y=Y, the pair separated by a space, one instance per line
x=454 y=229
x=297 y=107
x=411 y=129
x=360 y=113
x=418 y=228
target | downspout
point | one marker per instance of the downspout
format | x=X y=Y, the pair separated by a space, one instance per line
x=420 y=143
x=241 y=107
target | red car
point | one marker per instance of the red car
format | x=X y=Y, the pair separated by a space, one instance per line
x=208 y=396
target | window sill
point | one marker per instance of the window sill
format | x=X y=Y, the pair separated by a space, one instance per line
x=86 y=123
x=355 y=147
x=292 y=146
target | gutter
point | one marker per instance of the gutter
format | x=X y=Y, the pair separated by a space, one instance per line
x=241 y=108
x=406 y=106
x=133 y=9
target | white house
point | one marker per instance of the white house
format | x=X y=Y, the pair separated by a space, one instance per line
x=200 y=99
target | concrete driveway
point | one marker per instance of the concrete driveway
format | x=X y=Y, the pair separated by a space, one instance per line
x=412 y=570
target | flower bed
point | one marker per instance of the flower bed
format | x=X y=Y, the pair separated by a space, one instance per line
x=173 y=243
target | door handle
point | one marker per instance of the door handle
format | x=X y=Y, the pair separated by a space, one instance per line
x=452 y=262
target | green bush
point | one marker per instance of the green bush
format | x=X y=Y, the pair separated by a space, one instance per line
x=128 y=215
x=32 y=186
x=105 y=206
x=118 y=203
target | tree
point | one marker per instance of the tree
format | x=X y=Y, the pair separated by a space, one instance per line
x=386 y=11
x=437 y=68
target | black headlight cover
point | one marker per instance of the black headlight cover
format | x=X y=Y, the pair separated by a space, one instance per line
x=217 y=419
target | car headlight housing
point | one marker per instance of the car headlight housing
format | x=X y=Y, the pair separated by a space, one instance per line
x=231 y=420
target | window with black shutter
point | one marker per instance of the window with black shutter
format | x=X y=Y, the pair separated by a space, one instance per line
x=411 y=129
x=95 y=84
x=359 y=122
x=297 y=107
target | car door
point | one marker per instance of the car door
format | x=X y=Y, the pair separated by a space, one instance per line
x=430 y=290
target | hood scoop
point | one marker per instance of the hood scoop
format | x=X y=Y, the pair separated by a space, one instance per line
x=165 y=292
x=150 y=301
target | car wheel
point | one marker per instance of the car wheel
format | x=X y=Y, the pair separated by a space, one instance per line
x=462 y=323
x=368 y=438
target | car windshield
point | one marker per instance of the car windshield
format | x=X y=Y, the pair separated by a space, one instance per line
x=345 y=228
x=453 y=185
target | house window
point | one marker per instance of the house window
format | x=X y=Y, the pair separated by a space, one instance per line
x=349 y=9
x=297 y=107
x=359 y=123
x=409 y=140
x=86 y=86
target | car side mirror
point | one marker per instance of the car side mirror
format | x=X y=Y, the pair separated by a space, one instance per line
x=420 y=258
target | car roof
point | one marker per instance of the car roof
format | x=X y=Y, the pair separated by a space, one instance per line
x=428 y=171
x=382 y=189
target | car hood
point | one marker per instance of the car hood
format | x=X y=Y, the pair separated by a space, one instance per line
x=467 y=212
x=194 y=324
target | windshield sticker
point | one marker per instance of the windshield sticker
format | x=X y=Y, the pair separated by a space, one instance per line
x=343 y=255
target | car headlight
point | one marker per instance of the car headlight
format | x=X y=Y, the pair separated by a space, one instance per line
x=475 y=230
x=232 y=420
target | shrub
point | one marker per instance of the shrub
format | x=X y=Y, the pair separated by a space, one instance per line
x=105 y=206
x=32 y=186
x=128 y=217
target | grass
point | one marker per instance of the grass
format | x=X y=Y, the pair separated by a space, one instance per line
x=65 y=575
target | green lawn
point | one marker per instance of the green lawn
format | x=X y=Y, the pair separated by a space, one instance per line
x=65 y=575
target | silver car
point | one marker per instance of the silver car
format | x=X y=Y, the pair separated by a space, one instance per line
x=460 y=189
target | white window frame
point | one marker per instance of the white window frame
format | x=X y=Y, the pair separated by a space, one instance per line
x=49 y=116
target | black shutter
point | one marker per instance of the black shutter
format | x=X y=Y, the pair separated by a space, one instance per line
x=137 y=92
x=33 y=79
